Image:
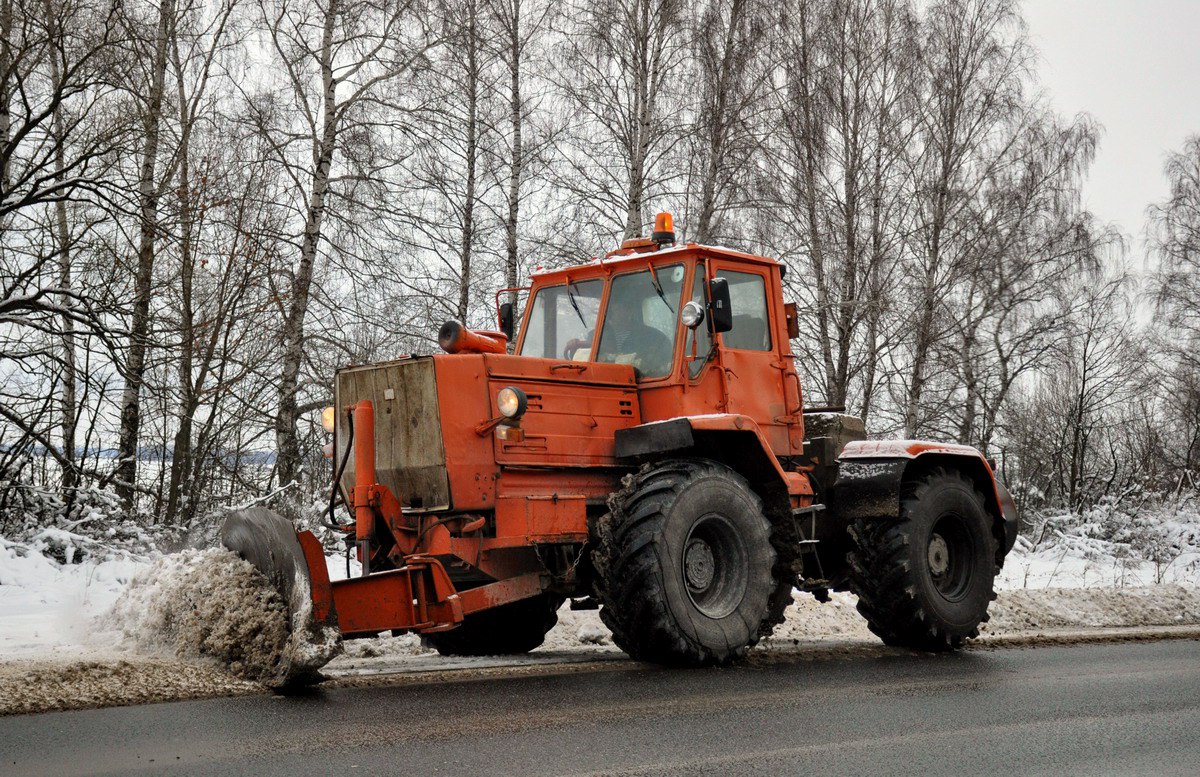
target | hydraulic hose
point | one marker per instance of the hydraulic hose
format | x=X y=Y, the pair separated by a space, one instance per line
x=337 y=478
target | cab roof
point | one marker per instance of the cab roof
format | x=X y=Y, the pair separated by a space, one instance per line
x=616 y=264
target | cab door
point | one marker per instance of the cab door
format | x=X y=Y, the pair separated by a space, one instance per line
x=757 y=376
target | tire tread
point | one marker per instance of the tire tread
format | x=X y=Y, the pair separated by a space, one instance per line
x=629 y=583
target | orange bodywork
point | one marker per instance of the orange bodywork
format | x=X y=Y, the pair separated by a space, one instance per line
x=518 y=491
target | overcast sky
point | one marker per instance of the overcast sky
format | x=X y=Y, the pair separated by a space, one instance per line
x=1135 y=66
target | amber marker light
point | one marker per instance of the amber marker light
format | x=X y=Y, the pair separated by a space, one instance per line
x=664 y=229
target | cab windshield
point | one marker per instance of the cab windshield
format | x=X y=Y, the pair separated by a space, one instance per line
x=562 y=321
x=641 y=320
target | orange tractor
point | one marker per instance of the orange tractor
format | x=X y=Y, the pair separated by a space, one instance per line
x=644 y=449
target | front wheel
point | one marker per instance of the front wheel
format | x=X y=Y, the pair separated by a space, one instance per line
x=684 y=565
x=925 y=580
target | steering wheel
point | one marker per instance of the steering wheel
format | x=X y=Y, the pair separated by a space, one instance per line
x=576 y=343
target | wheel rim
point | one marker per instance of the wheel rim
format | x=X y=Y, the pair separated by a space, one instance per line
x=714 y=566
x=950 y=554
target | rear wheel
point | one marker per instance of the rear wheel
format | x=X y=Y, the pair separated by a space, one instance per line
x=684 y=565
x=925 y=580
x=510 y=629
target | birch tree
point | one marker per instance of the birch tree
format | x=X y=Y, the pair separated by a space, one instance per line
x=150 y=183
x=452 y=174
x=341 y=61
x=1174 y=232
x=845 y=109
x=1037 y=240
x=733 y=53
x=974 y=61
x=60 y=127
x=192 y=55
x=520 y=25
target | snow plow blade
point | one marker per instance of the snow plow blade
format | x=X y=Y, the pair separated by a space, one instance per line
x=295 y=565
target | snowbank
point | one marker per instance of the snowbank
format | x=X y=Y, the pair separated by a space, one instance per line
x=109 y=679
x=1069 y=561
x=1047 y=609
x=808 y=622
x=50 y=608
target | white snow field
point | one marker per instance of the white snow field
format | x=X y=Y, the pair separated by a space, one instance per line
x=120 y=627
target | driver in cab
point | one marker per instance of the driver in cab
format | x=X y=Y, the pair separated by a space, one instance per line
x=627 y=339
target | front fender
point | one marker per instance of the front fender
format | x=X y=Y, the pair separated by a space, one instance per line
x=729 y=438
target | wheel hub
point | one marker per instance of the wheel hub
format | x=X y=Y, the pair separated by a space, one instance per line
x=699 y=566
x=939 y=555
x=714 y=566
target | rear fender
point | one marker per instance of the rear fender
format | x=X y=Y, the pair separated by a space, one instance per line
x=871 y=476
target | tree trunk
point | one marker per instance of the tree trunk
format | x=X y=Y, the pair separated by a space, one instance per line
x=719 y=122
x=68 y=411
x=875 y=291
x=967 y=426
x=139 y=330
x=511 y=263
x=182 y=446
x=472 y=150
x=637 y=174
x=639 y=147
x=810 y=164
x=923 y=331
x=287 y=445
x=6 y=57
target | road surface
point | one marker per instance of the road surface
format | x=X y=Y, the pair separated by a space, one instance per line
x=1086 y=709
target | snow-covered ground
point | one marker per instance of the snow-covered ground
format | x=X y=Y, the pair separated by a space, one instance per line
x=83 y=634
x=1078 y=562
x=49 y=609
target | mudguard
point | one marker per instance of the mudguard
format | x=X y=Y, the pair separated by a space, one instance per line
x=871 y=474
x=730 y=438
x=270 y=542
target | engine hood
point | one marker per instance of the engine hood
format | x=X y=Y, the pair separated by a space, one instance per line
x=436 y=416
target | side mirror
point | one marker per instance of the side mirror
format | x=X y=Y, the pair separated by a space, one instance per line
x=507 y=320
x=720 y=311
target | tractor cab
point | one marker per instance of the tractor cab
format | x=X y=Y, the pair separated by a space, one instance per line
x=705 y=329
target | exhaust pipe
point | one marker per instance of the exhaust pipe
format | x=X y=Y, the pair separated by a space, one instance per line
x=453 y=337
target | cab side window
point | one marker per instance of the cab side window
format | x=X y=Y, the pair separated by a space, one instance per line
x=748 y=298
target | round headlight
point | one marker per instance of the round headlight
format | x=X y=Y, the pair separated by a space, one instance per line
x=328 y=418
x=512 y=402
x=691 y=315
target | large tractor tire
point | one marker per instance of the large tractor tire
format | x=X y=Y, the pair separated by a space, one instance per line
x=684 y=565
x=510 y=629
x=925 y=580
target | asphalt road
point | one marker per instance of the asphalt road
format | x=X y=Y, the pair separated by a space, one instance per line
x=1087 y=709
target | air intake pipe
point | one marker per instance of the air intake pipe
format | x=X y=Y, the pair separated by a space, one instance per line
x=453 y=337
